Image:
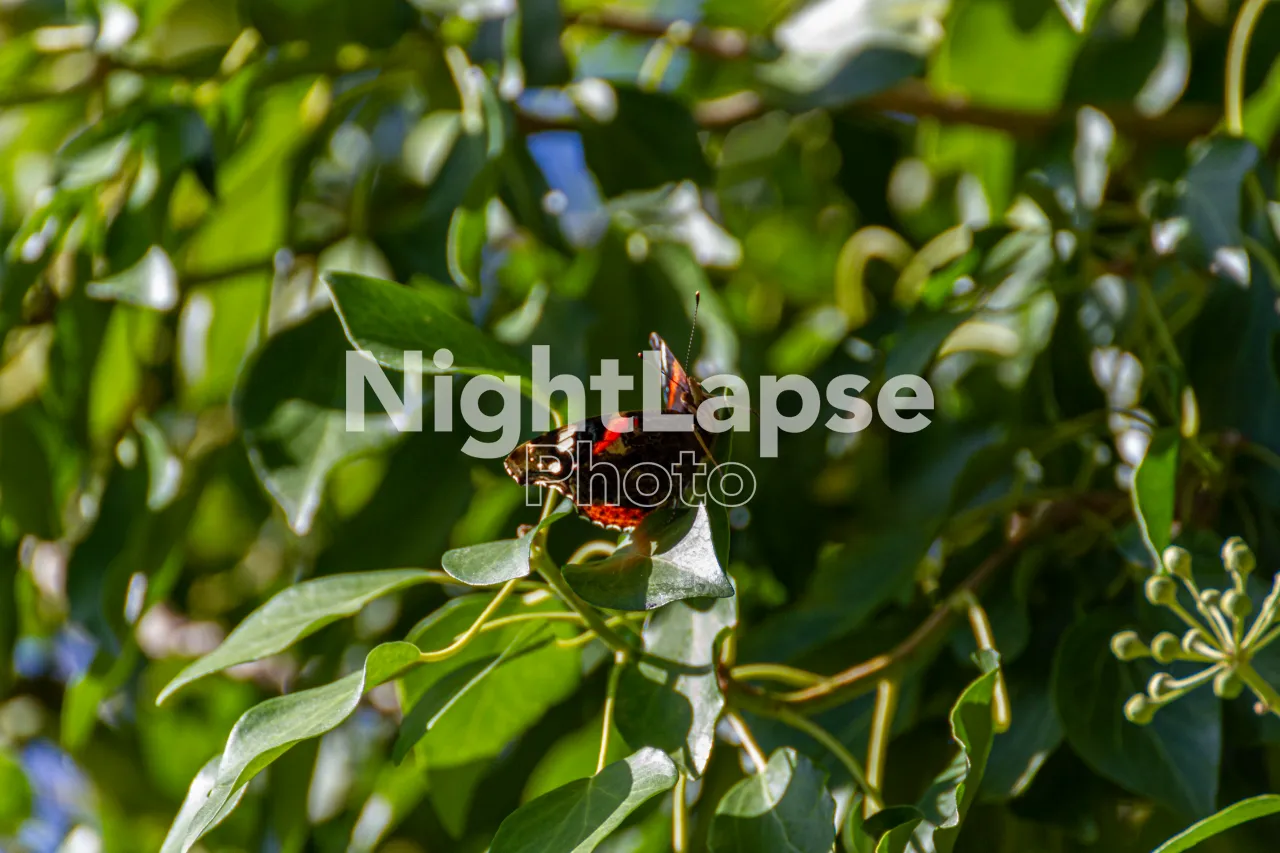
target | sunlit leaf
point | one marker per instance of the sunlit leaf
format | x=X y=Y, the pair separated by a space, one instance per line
x=786 y=807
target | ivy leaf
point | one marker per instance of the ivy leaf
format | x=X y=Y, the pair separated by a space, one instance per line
x=948 y=800
x=1174 y=759
x=677 y=711
x=578 y=816
x=387 y=320
x=1154 y=491
x=661 y=563
x=292 y=408
x=895 y=827
x=481 y=721
x=292 y=614
x=491 y=563
x=1233 y=815
x=1017 y=755
x=268 y=730
x=784 y=809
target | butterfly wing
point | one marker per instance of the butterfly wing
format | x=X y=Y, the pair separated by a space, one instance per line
x=682 y=392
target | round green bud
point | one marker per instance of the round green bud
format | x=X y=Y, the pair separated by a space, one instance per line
x=1165 y=648
x=1227 y=685
x=1177 y=561
x=1237 y=557
x=1237 y=605
x=1127 y=645
x=1161 y=589
x=1160 y=687
x=1138 y=710
x=1210 y=597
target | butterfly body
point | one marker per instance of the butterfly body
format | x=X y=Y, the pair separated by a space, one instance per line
x=614 y=470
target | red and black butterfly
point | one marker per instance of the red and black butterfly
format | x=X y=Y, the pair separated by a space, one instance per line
x=614 y=471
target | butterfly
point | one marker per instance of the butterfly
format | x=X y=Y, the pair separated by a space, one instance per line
x=614 y=471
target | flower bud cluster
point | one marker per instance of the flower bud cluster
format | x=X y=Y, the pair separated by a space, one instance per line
x=1221 y=637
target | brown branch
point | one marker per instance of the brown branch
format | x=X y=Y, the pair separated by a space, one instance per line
x=717 y=42
x=862 y=677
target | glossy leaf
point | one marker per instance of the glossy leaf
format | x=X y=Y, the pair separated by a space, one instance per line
x=491 y=563
x=666 y=560
x=296 y=612
x=577 y=817
x=785 y=808
x=1233 y=815
x=267 y=730
x=677 y=711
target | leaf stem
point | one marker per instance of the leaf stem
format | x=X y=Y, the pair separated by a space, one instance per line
x=1260 y=686
x=1237 y=50
x=887 y=690
x=680 y=817
x=836 y=748
x=747 y=740
x=466 y=636
x=551 y=574
x=610 y=698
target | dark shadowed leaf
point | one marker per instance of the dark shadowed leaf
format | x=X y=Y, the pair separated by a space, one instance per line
x=625 y=154
x=292 y=408
x=895 y=827
x=677 y=711
x=297 y=612
x=666 y=560
x=785 y=809
x=1174 y=759
x=387 y=320
x=1017 y=755
x=578 y=816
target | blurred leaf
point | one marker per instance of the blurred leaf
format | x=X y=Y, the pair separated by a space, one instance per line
x=296 y=612
x=578 y=816
x=1074 y=11
x=1155 y=491
x=467 y=239
x=1207 y=201
x=541 y=25
x=386 y=320
x=27 y=493
x=667 y=559
x=483 y=720
x=949 y=799
x=572 y=757
x=784 y=807
x=626 y=154
x=1174 y=759
x=268 y=730
x=1233 y=815
x=491 y=563
x=292 y=408
x=677 y=711
x=1018 y=754
x=15 y=795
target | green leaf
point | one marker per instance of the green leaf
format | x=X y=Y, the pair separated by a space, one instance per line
x=467 y=237
x=292 y=408
x=578 y=816
x=15 y=795
x=150 y=283
x=444 y=694
x=387 y=320
x=268 y=730
x=484 y=720
x=625 y=154
x=1233 y=815
x=665 y=560
x=1155 y=488
x=491 y=563
x=1207 y=207
x=292 y=614
x=1017 y=755
x=677 y=711
x=1074 y=11
x=784 y=809
x=949 y=799
x=895 y=827
x=1174 y=759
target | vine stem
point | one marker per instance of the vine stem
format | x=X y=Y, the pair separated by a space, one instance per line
x=1259 y=685
x=878 y=741
x=748 y=741
x=1237 y=50
x=551 y=574
x=680 y=816
x=610 y=699
x=778 y=672
x=466 y=636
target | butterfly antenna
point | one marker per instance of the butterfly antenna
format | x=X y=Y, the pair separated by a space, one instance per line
x=688 y=354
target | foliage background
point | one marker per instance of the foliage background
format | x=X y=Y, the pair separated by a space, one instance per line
x=1063 y=238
